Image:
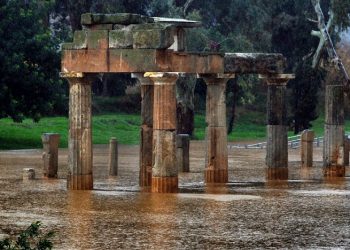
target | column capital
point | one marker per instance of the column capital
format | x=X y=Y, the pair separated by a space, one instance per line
x=277 y=79
x=77 y=77
x=215 y=79
x=160 y=78
x=140 y=77
x=71 y=74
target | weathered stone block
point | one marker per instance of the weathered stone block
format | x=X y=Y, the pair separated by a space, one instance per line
x=119 y=18
x=113 y=157
x=50 y=155
x=80 y=39
x=153 y=38
x=121 y=38
x=306 y=151
x=67 y=46
x=97 y=39
x=107 y=26
x=28 y=173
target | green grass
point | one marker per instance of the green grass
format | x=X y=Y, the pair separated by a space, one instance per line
x=249 y=126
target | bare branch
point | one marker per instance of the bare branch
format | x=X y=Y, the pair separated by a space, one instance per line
x=326 y=41
x=186 y=6
x=316 y=33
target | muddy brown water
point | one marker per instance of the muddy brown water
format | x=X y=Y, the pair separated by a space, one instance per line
x=305 y=212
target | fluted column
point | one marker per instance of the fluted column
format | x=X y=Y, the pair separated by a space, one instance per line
x=80 y=134
x=164 y=170
x=333 y=147
x=216 y=132
x=146 y=131
x=277 y=129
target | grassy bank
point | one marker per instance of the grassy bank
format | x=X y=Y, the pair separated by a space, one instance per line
x=249 y=126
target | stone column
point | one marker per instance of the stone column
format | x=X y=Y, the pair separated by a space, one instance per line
x=183 y=152
x=333 y=147
x=306 y=152
x=113 y=157
x=216 y=132
x=80 y=134
x=146 y=141
x=346 y=150
x=164 y=171
x=277 y=136
x=50 y=155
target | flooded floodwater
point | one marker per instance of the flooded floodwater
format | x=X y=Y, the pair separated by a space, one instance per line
x=307 y=211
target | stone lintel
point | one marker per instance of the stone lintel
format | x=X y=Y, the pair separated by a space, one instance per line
x=117 y=18
x=254 y=63
x=178 y=22
x=156 y=60
x=277 y=79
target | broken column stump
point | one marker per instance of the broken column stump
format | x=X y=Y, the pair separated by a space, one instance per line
x=80 y=132
x=113 y=157
x=50 y=155
x=146 y=137
x=216 y=132
x=277 y=136
x=306 y=152
x=333 y=147
x=183 y=152
x=28 y=174
x=164 y=170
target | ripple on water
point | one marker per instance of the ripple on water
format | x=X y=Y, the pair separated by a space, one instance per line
x=220 y=197
x=322 y=192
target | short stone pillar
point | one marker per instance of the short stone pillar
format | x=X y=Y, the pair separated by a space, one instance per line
x=80 y=132
x=183 y=152
x=50 y=155
x=28 y=174
x=216 y=132
x=113 y=157
x=333 y=146
x=346 y=150
x=277 y=136
x=306 y=152
x=146 y=137
x=164 y=170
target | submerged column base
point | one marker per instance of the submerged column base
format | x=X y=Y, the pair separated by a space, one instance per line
x=80 y=182
x=277 y=173
x=334 y=171
x=216 y=175
x=165 y=184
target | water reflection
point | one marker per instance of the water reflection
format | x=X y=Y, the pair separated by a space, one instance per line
x=79 y=206
x=307 y=211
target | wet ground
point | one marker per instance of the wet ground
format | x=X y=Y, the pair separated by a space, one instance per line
x=306 y=212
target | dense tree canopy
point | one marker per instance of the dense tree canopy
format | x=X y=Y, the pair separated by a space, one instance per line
x=31 y=31
x=29 y=62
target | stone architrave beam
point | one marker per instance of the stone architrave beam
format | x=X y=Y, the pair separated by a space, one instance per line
x=153 y=60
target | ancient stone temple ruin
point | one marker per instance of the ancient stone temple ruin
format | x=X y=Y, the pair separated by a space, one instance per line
x=154 y=51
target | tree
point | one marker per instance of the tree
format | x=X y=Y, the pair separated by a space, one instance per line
x=29 y=63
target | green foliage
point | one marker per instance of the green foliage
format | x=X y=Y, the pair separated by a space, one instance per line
x=30 y=239
x=29 y=63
